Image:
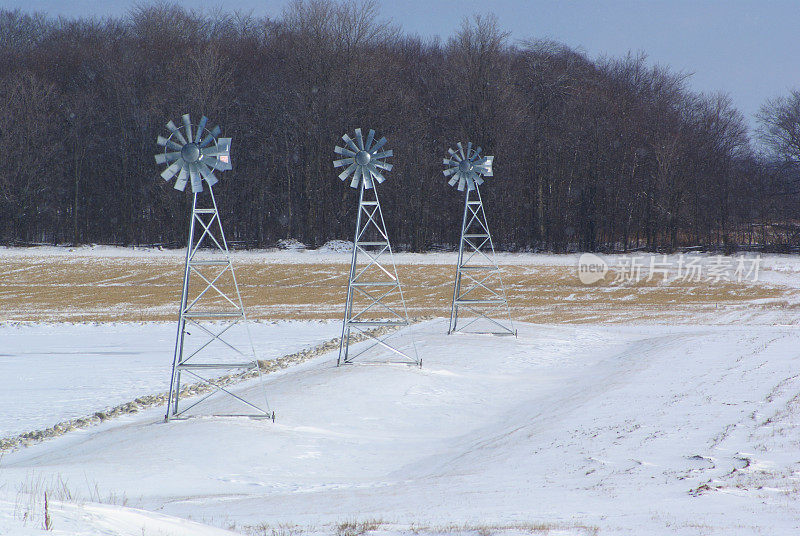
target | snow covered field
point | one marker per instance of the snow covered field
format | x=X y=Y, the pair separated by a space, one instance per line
x=620 y=428
x=57 y=372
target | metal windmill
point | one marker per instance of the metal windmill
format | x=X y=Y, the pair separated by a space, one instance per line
x=478 y=286
x=210 y=299
x=374 y=294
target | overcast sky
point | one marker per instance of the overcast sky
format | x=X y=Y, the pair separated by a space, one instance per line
x=747 y=49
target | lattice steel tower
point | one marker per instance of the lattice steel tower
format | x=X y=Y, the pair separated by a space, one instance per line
x=211 y=303
x=374 y=295
x=478 y=287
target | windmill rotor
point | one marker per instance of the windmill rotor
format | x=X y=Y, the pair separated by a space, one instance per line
x=466 y=167
x=363 y=158
x=193 y=153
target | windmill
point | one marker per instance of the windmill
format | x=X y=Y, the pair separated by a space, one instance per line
x=374 y=294
x=478 y=286
x=211 y=304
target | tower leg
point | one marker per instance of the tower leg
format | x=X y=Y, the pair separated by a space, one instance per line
x=457 y=282
x=344 y=342
x=174 y=384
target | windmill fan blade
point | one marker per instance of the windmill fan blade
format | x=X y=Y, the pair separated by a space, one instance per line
x=367 y=181
x=453 y=180
x=359 y=139
x=477 y=152
x=455 y=156
x=370 y=139
x=479 y=180
x=172 y=128
x=461 y=182
x=163 y=158
x=380 y=143
x=343 y=161
x=349 y=141
x=469 y=149
x=180 y=183
x=380 y=178
x=201 y=127
x=343 y=151
x=461 y=150
x=194 y=176
x=211 y=136
x=384 y=154
x=346 y=173
x=215 y=150
x=173 y=168
x=449 y=171
x=383 y=165
x=187 y=126
x=164 y=142
x=356 y=177
x=207 y=174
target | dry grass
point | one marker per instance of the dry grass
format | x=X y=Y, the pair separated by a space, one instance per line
x=364 y=528
x=128 y=289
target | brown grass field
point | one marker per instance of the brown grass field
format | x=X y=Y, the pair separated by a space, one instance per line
x=83 y=288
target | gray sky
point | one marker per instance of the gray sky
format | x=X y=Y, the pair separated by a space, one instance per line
x=744 y=48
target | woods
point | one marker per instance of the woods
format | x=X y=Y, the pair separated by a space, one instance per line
x=605 y=155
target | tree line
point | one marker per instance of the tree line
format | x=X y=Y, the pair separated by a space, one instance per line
x=599 y=155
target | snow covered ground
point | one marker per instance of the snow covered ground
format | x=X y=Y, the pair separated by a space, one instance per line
x=56 y=372
x=649 y=429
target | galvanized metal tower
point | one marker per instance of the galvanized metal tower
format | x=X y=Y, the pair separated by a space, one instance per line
x=210 y=299
x=375 y=304
x=478 y=287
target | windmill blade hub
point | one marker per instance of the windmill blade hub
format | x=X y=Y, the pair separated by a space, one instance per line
x=191 y=153
x=363 y=158
x=465 y=166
